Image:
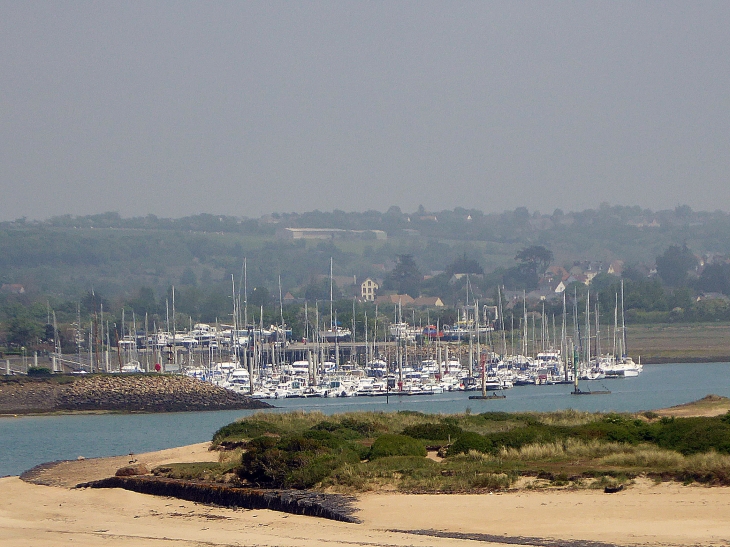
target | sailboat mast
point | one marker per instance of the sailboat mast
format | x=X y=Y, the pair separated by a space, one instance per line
x=615 y=325
x=524 y=324
x=624 y=349
x=234 y=336
x=598 y=332
x=367 y=344
x=588 y=328
x=563 y=343
x=501 y=321
x=174 y=330
x=245 y=292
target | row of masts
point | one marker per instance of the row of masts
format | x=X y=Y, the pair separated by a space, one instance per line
x=100 y=329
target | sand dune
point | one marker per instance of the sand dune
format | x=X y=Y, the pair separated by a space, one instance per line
x=646 y=514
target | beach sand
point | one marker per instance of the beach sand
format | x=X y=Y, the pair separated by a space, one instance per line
x=644 y=514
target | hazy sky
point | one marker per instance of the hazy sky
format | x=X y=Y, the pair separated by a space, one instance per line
x=245 y=108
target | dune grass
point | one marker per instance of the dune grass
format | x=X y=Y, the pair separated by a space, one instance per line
x=361 y=451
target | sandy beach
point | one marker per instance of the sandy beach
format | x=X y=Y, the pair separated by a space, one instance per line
x=644 y=514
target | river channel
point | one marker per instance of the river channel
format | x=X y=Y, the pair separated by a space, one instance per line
x=30 y=440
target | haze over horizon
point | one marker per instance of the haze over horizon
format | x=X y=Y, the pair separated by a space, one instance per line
x=252 y=108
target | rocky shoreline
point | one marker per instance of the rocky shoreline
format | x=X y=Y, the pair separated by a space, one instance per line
x=117 y=393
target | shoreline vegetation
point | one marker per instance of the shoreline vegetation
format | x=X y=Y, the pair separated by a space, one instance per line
x=413 y=452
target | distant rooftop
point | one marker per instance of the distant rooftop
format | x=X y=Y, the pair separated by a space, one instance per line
x=329 y=233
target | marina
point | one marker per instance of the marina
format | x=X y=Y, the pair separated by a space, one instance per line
x=409 y=359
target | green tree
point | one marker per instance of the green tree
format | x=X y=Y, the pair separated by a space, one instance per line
x=23 y=331
x=405 y=277
x=144 y=303
x=319 y=289
x=94 y=302
x=674 y=264
x=715 y=278
x=646 y=295
x=532 y=262
x=463 y=264
x=260 y=296
x=536 y=258
x=680 y=298
x=188 y=278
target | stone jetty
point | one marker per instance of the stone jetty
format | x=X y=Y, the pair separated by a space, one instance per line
x=117 y=392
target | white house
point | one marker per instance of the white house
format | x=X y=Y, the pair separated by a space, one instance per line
x=368 y=289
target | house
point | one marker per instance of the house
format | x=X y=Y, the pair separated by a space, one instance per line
x=368 y=290
x=541 y=294
x=403 y=299
x=12 y=288
x=616 y=267
x=456 y=277
x=556 y=272
x=428 y=302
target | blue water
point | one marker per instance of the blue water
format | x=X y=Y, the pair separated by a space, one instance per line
x=28 y=441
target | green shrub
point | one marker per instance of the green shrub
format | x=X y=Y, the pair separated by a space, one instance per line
x=389 y=444
x=492 y=481
x=693 y=435
x=245 y=429
x=362 y=427
x=531 y=434
x=470 y=441
x=497 y=416
x=39 y=371
x=295 y=461
x=433 y=432
x=348 y=428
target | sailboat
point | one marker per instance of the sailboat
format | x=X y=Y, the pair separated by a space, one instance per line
x=335 y=333
x=576 y=358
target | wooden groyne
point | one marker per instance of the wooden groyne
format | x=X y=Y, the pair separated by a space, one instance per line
x=297 y=502
x=117 y=392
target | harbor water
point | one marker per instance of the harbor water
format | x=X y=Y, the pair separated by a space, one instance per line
x=29 y=441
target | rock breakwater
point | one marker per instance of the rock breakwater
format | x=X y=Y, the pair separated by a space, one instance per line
x=115 y=392
x=298 y=502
